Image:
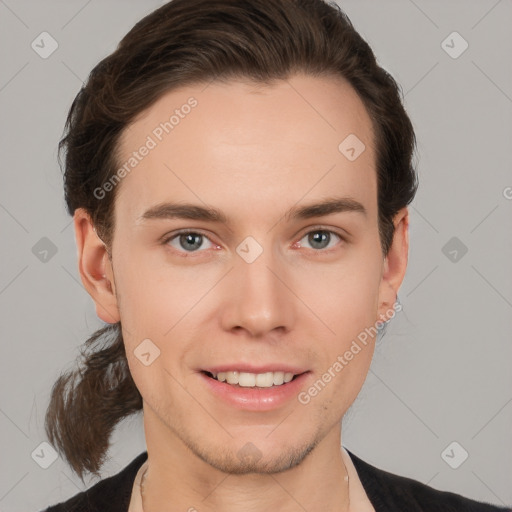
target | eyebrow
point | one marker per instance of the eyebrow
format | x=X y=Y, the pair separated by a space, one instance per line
x=189 y=211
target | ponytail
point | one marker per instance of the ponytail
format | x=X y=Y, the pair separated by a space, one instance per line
x=87 y=403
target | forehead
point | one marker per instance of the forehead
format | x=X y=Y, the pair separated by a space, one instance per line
x=249 y=147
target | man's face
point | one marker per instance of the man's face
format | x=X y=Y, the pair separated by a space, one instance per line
x=263 y=291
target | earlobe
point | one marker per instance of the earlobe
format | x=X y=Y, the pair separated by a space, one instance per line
x=95 y=267
x=395 y=265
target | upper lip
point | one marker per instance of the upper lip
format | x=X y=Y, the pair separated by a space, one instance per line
x=249 y=368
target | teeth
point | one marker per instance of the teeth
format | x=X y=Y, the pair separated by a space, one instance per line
x=278 y=378
x=251 y=380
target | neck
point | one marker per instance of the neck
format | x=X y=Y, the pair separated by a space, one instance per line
x=177 y=477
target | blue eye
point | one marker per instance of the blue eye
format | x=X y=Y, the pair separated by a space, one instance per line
x=187 y=241
x=319 y=238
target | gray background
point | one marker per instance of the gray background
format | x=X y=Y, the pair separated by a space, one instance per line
x=442 y=371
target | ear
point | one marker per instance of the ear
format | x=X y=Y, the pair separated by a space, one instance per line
x=395 y=264
x=95 y=268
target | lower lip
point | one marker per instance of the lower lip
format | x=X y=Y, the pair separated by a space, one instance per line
x=256 y=399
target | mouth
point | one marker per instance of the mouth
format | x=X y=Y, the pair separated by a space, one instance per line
x=253 y=380
x=257 y=389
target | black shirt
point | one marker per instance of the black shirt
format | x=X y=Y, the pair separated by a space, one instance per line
x=387 y=493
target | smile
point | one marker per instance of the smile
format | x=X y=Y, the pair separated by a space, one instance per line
x=251 y=380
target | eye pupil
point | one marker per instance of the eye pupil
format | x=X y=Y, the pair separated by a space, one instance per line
x=319 y=237
x=191 y=238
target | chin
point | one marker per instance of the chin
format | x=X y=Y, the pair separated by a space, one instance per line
x=249 y=459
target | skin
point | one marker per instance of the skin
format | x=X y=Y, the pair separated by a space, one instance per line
x=252 y=151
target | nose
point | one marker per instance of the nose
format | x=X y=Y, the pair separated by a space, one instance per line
x=258 y=297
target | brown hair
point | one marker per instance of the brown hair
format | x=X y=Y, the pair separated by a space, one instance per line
x=181 y=43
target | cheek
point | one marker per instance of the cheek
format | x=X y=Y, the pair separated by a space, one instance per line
x=153 y=297
x=344 y=296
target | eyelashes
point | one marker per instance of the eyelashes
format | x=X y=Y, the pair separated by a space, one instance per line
x=185 y=235
x=194 y=239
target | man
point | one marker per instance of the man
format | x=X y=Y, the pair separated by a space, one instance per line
x=239 y=175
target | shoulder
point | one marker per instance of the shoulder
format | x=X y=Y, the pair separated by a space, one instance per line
x=390 y=492
x=111 y=494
